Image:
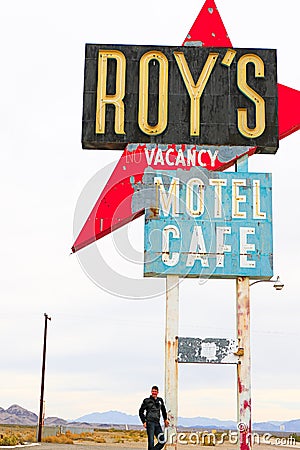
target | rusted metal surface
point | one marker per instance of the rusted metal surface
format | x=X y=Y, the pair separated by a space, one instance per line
x=171 y=364
x=209 y=350
x=244 y=368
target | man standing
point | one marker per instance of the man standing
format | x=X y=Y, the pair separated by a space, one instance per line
x=153 y=406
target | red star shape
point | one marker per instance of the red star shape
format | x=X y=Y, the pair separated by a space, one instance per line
x=113 y=208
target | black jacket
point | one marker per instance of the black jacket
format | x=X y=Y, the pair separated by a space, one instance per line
x=153 y=408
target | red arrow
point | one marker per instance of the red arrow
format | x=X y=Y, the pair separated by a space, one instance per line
x=288 y=110
x=113 y=208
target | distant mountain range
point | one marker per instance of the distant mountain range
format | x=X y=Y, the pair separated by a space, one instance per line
x=15 y=414
x=118 y=417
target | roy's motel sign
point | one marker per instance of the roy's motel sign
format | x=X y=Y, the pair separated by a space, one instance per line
x=179 y=95
x=209 y=224
x=198 y=222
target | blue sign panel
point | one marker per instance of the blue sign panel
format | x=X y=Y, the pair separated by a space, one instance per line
x=208 y=224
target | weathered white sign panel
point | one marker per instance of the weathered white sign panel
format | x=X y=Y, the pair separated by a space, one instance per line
x=209 y=350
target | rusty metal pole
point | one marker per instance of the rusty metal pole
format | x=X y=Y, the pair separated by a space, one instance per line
x=171 y=363
x=244 y=366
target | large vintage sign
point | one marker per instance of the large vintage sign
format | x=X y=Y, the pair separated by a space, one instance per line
x=176 y=95
x=209 y=224
x=113 y=208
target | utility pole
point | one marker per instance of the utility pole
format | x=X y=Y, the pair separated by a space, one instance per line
x=40 y=425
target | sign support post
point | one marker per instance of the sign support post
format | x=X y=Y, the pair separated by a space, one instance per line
x=171 y=358
x=244 y=367
x=243 y=336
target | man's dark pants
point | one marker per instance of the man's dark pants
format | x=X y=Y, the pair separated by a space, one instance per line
x=154 y=429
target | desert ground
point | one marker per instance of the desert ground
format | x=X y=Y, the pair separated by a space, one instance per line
x=139 y=446
x=113 y=439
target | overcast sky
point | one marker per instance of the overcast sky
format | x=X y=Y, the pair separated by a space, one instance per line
x=105 y=351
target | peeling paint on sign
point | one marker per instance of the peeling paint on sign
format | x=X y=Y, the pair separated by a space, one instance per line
x=209 y=350
x=207 y=224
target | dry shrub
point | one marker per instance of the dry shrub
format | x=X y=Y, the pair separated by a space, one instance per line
x=100 y=440
x=87 y=436
x=59 y=439
x=23 y=433
x=9 y=440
